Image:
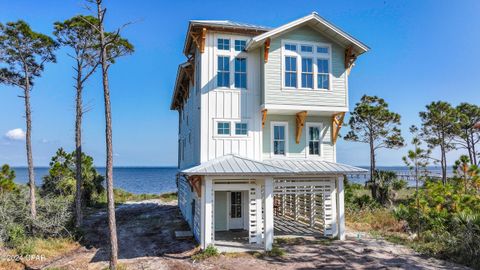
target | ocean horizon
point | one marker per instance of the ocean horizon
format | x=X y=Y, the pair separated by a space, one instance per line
x=162 y=179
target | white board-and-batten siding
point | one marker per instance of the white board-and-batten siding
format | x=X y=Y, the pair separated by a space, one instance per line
x=229 y=104
x=276 y=94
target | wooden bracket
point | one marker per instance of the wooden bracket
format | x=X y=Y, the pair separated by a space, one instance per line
x=300 y=117
x=266 y=50
x=199 y=39
x=350 y=58
x=337 y=122
x=196 y=182
x=264 y=117
x=189 y=71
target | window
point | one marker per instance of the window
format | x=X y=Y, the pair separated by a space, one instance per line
x=223 y=44
x=236 y=204
x=223 y=128
x=306 y=48
x=240 y=45
x=279 y=139
x=314 y=140
x=290 y=71
x=223 y=73
x=307 y=73
x=291 y=47
x=241 y=128
x=322 y=77
x=240 y=73
x=322 y=49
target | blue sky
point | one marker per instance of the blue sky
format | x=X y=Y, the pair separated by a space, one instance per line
x=421 y=51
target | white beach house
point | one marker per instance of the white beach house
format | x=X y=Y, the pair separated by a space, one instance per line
x=259 y=114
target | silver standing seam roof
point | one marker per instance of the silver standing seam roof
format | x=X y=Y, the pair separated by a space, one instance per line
x=231 y=24
x=237 y=165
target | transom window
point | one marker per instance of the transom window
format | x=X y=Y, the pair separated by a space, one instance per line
x=241 y=129
x=310 y=64
x=290 y=71
x=223 y=71
x=279 y=139
x=223 y=44
x=307 y=73
x=223 y=128
x=240 y=73
x=314 y=140
x=291 y=47
x=240 y=45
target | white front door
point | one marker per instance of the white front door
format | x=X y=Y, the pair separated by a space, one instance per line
x=235 y=213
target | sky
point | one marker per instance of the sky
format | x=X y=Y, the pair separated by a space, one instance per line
x=421 y=51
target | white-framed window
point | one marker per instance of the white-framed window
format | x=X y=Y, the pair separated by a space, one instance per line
x=306 y=65
x=307 y=72
x=240 y=73
x=279 y=135
x=223 y=128
x=290 y=71
x=240 y=45
x=241 y=128
x=223 y=44
x=314 y=139
x=223 y=71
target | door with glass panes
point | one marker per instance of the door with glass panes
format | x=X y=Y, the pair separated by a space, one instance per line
x=235 y=214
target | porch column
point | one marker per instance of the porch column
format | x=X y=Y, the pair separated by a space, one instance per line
x=340 y=209
x=268 y=213
x=207 y=212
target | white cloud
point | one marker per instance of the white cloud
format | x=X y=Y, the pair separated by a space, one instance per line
x=15 y=134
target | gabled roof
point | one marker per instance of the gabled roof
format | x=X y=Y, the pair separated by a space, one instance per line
x=229 y=24
x=317 y=22
x=235 y=165
x=241 y=166
x=181 y=86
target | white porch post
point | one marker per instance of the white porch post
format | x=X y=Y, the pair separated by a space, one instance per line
x=207 y=212
x=258 y=212
x=268 y=213
x=340 y=209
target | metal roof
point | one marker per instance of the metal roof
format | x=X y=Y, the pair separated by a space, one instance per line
x=311 y=166
x=228 y=23
x=237 y=165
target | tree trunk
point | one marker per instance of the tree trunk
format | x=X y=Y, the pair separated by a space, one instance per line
x=444 y=164
x=474 y=152
x=108 y=138
x=373 y=179
x=78 y=149
x=28 y=141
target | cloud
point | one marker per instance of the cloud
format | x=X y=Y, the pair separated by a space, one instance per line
x=15 y=134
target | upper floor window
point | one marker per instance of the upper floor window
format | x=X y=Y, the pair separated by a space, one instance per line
x=241 y=129
x=323 y=74
x=291 y=47
x=223 y=128
x=240 y=73
x=313 y=140
x=290 y=71
x=279 y=139
x=310 y=64
x=307 y=73
x=240 y=45
x=223 y=71
x=223 y=44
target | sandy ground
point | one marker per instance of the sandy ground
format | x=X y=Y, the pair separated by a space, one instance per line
x=146 y=229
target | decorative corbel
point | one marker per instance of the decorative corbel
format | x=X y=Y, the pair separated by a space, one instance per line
x=300 y=117
x=266 y=50
x=350 y=58
x=196 y=183
x=337 y=121
x=202 y=41
x=199 y=39
x=264 y=117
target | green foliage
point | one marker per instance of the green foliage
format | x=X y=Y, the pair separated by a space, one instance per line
x=276 y=252
x=7 y=176
x=25 y=52
x=467 y=135
x=210 y=251
x=398 y=184
x=60 y=180
x=418 y=158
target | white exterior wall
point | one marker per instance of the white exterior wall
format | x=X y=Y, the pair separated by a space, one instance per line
x=229 y=104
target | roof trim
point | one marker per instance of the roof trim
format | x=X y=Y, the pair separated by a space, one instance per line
x=311 y=17
x=176 y=89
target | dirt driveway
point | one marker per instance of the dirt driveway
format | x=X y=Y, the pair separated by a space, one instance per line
x=145 y=233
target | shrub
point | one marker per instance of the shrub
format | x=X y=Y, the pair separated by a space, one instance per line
x=210 y=251
x=7 y=176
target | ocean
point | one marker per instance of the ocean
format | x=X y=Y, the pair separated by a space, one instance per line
x=155 y=180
